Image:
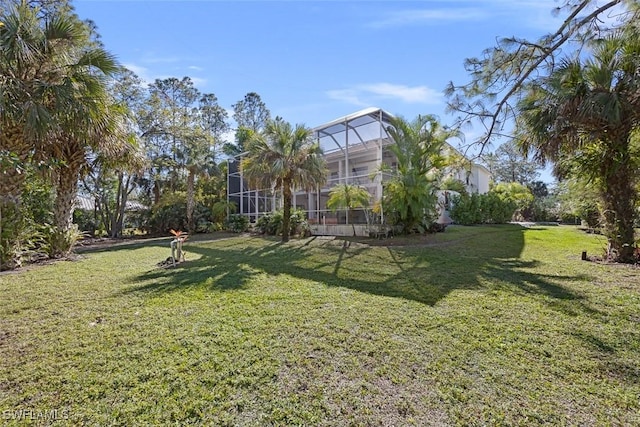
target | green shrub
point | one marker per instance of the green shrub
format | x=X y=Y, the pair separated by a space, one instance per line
x=495 y=209
x=86 y=221
x=271 y=223
x=569 y=218
x=465 y=209
x=171 y=214
x=487 y=208
x=262 y=224
x=588 y=211
x=298 y=223
x=139 y=219
x=58 y=242
x=37 y=199
x=237 y=223
x=19 y=222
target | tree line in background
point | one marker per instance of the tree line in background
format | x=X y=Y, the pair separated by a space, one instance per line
x=73 y=120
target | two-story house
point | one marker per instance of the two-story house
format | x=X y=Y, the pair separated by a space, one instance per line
x=356 y=149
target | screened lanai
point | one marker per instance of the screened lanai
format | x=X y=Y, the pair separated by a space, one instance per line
x=354 y=147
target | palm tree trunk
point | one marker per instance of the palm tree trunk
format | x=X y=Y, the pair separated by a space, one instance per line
x=353 y=224
x=618 y=196
x=12 y=178
x=286 y=210
x=11 y=226
x=15 y=150
x=66 y=192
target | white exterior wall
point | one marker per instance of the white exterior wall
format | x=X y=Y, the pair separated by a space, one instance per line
x=476 y=180
x=483 y=178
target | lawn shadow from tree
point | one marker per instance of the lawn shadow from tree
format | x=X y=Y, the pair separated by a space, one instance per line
x=115 y=245
x=422 y=274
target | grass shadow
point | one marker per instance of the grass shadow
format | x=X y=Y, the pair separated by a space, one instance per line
x=423 y=274
x=119 y=244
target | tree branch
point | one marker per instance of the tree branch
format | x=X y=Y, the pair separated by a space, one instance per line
x=519 y=75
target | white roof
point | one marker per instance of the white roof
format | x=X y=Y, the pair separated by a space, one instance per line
x=360 y=127
x=373 y=113
x=87 y=203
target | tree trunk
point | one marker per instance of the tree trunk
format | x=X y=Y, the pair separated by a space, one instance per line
x=12 y=177
x=66 y=192
x=191 y=201
x=11 y=226
x=353 y=224
x=122 y=193
x=123 y=197
x=15 y=151
x=105 y=212
x=286 y=210
x=156 y=192
x=618 y=196
x=115 y=231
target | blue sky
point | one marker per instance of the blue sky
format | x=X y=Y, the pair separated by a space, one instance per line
x=314 y=61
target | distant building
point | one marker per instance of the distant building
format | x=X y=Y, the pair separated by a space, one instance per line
x=355 y=147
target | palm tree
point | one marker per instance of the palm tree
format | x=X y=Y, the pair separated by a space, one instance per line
x=418 y=147
x=282 y=157
x=58 y=104
x=26 y=47
x=91 y=123
x=585 y=115
x=49 y=78
x=86 y=119
x=349 y=197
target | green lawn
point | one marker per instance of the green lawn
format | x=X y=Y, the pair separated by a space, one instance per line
x=475 y=326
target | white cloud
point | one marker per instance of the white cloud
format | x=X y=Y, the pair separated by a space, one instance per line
x=535 y=14
x=195 y=68
x=429 y=16
x=141 y=72
x=367 y=94
x=350 y=96
x=415 y=94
